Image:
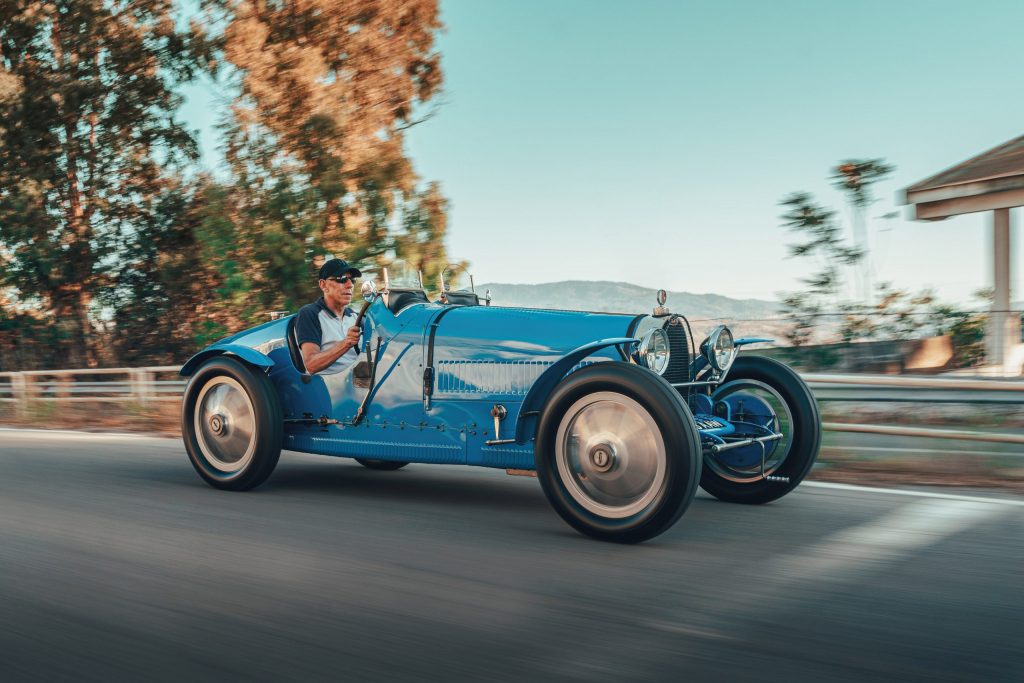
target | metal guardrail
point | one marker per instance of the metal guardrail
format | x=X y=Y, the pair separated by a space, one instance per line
x=91 y=385
x=901 y=388
x=145 y=385
x=925 y=432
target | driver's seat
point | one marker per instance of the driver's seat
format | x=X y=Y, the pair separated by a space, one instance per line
x=293 y=346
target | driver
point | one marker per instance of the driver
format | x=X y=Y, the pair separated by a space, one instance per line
x=325 y=329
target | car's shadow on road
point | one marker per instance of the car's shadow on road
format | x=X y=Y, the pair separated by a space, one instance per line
x=427 y=484
x=335 y=483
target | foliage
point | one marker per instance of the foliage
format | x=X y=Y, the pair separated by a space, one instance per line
x=25 y=338
x=821 y=241
x=159 y=296
x=316 y=142
x=88 y=132
x=897 y=315
x=856 y=176
x=819 y=313
x=113 y=249
x=966 y=329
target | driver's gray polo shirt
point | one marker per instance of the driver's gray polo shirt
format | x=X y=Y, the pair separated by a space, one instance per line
x=318 y=324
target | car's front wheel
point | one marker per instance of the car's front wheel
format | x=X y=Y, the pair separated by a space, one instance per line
x=768 y=397
x=617 y=452
x=231 y=424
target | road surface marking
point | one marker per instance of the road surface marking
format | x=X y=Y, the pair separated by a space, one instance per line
x=910 y=492
x=884 y=540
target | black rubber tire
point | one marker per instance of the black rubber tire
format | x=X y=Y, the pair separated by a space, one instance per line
x=678 y=430
x=381 y=465
x=806 y=440
x=269 y=424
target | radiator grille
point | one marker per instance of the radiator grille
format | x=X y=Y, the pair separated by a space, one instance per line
x=679 y=348
x=679 y=368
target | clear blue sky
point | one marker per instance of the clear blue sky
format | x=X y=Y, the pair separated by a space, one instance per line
x=650 y=142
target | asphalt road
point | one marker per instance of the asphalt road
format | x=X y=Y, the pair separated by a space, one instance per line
x=118 y=563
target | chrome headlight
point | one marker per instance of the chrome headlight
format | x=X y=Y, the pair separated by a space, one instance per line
x=653 y=352
x=719 y=348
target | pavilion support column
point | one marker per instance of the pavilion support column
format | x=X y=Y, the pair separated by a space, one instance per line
x=1003 y=327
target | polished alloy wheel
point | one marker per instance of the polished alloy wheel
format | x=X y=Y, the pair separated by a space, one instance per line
x=610 y=455
x=780 y=419
x=225 y=424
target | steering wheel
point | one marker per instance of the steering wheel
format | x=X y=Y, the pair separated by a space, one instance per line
x=359 y=322
x=362 y=313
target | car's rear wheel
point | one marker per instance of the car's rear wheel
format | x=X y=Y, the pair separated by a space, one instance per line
x=231 y=424
x=617 y=452
x=381 y=465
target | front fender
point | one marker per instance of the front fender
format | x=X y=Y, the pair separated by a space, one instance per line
x=249 y=355
x=701 y=362
x=526 y=422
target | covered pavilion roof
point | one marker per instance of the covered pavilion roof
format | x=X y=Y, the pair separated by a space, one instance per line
x=990 y=180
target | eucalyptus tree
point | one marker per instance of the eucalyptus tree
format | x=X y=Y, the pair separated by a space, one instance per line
x=88 y=142
x=316 y=142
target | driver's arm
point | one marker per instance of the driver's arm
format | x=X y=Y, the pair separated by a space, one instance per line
x=316 y=359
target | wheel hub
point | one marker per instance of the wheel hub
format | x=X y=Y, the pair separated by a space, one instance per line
x=219 y=425
x=758 y=409
x=225 y=424
x=603 y=457
x=610 y=455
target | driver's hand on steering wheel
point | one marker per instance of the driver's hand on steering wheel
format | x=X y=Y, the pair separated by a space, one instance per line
x=353 y=335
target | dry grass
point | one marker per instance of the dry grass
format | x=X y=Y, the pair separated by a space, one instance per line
x=949 y=416
x=834 y=464
x=156 y=419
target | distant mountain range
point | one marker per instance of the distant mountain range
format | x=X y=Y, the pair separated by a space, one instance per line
x=748 y=317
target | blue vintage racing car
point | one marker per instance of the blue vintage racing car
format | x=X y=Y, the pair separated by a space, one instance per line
x=619 y=416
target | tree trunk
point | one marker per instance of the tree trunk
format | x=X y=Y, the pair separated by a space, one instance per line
x=66 y=307
x=85 y=328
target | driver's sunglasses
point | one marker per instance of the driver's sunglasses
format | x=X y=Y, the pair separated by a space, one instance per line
x=344 y=279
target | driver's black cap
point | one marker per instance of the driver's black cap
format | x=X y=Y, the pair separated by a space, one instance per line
x=337 y=267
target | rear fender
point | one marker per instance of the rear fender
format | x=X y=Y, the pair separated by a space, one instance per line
x=526 y=423
x=249 y=355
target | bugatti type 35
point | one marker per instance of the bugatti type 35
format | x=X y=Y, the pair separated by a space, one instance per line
x=620 y=417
